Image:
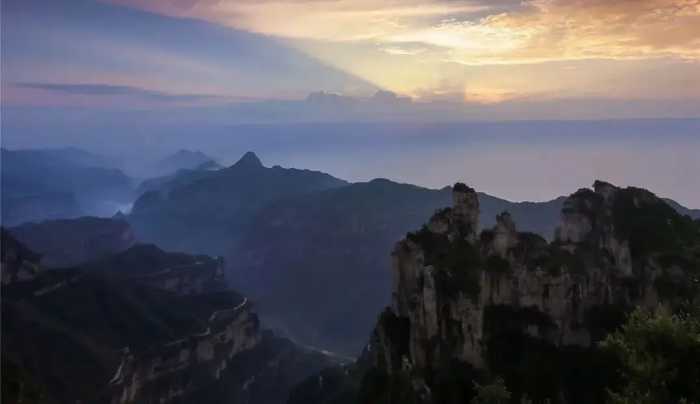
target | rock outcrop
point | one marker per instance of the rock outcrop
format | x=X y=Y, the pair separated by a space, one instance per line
x=18 y=262
x=140 y=326
x=178 y=368
x=467 y=298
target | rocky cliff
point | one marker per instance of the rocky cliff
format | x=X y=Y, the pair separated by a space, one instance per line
x=333 y=245
x=18 y=262
x=140 y=326
x=501 y=302
x=178 y=368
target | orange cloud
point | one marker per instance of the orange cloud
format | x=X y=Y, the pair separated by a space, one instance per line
x=472 y=32
x=414 y=46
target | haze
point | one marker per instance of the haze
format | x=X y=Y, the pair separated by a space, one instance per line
x=413 y=91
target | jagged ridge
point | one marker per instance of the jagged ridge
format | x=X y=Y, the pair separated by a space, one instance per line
x=468 y=304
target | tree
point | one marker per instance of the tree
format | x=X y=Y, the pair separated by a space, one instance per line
x=494 y=393
x=660 y=357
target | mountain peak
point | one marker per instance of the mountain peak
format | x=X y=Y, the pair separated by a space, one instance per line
x=249 y=159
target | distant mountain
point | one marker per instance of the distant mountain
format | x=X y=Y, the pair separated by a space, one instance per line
x=140 y=326
x=71 y=242
x=694 y=213
x=52 y=184
x=81 y=157
x=206 y=212
x=184 y=160
x=180 y=177
x=20 y=208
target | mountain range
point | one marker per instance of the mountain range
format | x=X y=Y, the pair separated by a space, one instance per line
x=59 y=183
x=291 y=237
x=206 y=211
x=486 y=287
x=138 y=326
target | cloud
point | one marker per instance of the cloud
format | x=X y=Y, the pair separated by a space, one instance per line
x=470 y=32
x=504 y=48
x=116 y=90
x=407 y=51
x=554 y=30
x=337 y=20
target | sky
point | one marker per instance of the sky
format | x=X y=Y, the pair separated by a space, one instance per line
x=136 y=53
x=365 y=89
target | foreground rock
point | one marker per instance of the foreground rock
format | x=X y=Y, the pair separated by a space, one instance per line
x=331 y=246
x=468 y=305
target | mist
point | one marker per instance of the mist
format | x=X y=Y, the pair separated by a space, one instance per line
x=517 y=160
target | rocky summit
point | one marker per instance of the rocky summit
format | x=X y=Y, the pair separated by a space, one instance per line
x=502 y=302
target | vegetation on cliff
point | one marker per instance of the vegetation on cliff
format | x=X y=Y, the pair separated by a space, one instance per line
x=659 y=353
x=510 y=305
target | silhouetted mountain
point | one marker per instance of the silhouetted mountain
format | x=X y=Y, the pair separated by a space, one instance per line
x=80 y=157
x=467 y=304
x=184 y=159
x=71 y=242
x=249 y=160
x=52 y=184
x=206 y=212
x=139 y=326
x=179 y=178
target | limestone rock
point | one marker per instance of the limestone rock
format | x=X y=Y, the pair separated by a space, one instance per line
x=465 y=210
x=453 y=293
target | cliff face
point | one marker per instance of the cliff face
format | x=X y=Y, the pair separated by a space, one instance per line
x=229 y=359
x=18 y=262
x=467 y=297
x=140 y=326
x=178 y=368
x=332 y=246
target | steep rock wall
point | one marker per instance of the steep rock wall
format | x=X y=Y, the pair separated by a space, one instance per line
x=456 y=291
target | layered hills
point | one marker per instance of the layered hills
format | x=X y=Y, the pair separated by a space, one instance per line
x=52 y=184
